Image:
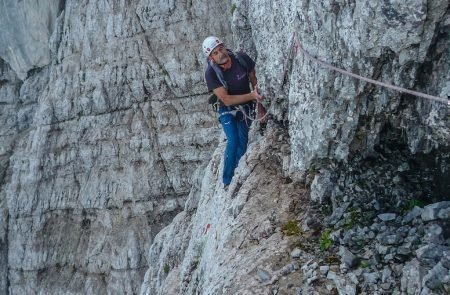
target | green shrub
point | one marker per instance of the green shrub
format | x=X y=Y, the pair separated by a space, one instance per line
x=291 y=228
x=233 y=8
x=325 y=241
x=166 y=268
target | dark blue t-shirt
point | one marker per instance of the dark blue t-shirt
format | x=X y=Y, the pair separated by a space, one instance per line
x=236 y=77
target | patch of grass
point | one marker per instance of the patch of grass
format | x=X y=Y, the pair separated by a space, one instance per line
x=291 y=228
x=325 y=242
x=367 y=217
x=405 y=208
x=233 y=8
x=413 y=203
x=332 y=259
x=353 y=219
x=166 y=268
x=312 y=169
x=364 y=264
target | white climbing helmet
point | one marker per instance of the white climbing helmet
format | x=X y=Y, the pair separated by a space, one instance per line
x=210 y=43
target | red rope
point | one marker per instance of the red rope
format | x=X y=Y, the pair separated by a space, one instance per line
x=297 y=46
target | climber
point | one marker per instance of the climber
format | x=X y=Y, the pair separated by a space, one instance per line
x=228 y=75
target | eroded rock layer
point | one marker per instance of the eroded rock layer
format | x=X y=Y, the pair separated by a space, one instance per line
x=106 y=139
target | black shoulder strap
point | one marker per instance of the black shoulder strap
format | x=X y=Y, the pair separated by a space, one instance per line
x=219 y=72
x=240 y=60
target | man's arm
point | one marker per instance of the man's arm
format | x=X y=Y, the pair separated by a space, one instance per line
x=230 y=100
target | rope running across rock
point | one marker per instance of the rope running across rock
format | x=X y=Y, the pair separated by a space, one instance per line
x=297 y=45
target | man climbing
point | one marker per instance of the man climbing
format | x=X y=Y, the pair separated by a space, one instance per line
x=228 y=76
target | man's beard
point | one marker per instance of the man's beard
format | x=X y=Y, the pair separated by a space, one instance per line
x=223 y=60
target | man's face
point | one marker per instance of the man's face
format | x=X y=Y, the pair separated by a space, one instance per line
x=219 y=55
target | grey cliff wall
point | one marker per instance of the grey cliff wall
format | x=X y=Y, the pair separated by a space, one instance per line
x=100 y=142
x=110 y=158
x=366 y=149
x=26 y=28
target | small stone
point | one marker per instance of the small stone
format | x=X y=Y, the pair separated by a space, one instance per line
x=387 y=272
x=308 y=273
x=353 y=278
x=371 y=278
x=312 y=279
x=413 y=214
x=431 y=212
x=387 y=216
x=337 y=213
x=398 y=269
x=324 y=269
x=388 y=257
x=446 y=259
x=343 y=267
x=435 y=276
x=313 y=266
x=263 y=275
x=358 y=272
x=347 y=257
x=375 y=227
x=433 y=233
x=404 y=249
x=411 y=281
x=430 y=254
x=444 y=213
x=390 y=239
x=413 y=239
x=403 y=167
x=331 y=275
x=412 y=231
x=385 y=286
x=381 y=249
x=321 y=185
x=376 y=205
x=287 y=269
x=296 y=253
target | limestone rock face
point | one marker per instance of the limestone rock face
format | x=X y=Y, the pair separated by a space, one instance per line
x=25 y=28
x=110 y=159
x=100 y=144
x=332 y=116
x=233 y=242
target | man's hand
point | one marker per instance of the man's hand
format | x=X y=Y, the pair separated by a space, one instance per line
x=255 y=94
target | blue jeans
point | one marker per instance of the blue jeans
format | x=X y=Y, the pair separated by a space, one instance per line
x=236 y=129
